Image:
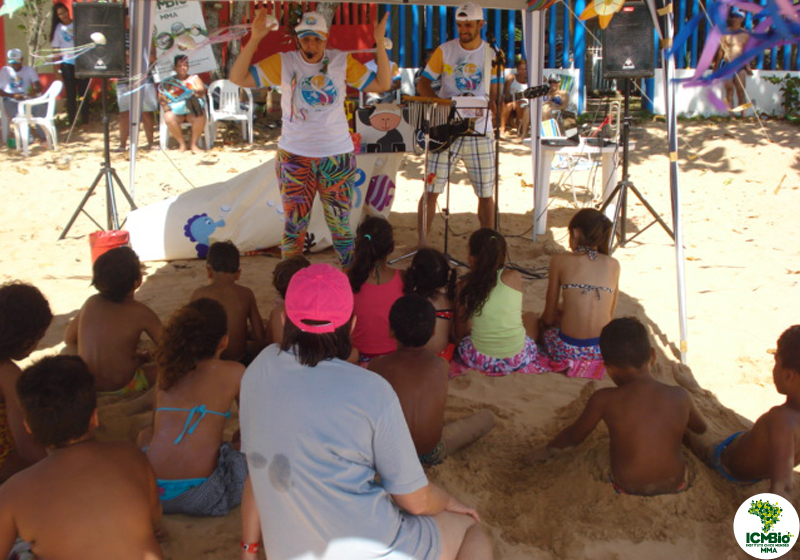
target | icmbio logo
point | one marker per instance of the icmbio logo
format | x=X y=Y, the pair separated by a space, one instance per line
x=766 y=526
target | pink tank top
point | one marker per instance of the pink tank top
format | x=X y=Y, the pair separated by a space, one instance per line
x=371 y=307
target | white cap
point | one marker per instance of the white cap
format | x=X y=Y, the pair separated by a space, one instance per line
x=469 y=12
x=554 y=78
x=14 y=55
x=312 y=23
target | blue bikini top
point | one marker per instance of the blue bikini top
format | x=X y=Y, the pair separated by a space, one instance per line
x=200 y=411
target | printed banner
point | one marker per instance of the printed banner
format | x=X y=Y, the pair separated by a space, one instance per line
x=179 y=27
x=248 y=211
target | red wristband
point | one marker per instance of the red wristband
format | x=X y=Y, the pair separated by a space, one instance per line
x=249 y=547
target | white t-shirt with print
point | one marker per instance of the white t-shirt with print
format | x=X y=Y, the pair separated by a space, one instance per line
x=462 y=72
x=312 y=99
x=12 y=81
x=64 y=38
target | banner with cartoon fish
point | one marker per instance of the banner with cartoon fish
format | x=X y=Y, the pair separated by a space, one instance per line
x=247 y=210
x=179 y=28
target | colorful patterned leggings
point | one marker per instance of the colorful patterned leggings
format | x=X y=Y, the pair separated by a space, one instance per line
x=300 y=179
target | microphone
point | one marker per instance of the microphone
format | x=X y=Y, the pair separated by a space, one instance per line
x=499 y=55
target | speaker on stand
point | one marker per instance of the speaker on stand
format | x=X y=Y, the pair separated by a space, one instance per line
x=627 y=54
x=101 y=24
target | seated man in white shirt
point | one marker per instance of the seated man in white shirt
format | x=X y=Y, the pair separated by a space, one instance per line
x=17 y=83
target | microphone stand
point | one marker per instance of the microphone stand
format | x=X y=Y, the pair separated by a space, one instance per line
x=500 y=58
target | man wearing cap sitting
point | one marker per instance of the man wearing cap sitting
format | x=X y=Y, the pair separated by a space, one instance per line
x=464 y=66
x=17 y=83
x=333 y=469
x=731 y=47
x=315 y=151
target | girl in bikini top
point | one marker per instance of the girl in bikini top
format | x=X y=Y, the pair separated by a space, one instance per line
x=584 y=317
x=431 y=277
x=195 y=392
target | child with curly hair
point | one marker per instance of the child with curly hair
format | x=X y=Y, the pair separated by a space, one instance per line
x=24 y=318
x=431 y=277
x=376 y=286
x=586 y=281
x=197 y=473
x=283 y=272
x=497 y=338
x=111 y=353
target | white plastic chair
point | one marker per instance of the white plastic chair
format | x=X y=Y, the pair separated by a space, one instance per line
x=163 y=133
x=227 y=105
x=25 y=118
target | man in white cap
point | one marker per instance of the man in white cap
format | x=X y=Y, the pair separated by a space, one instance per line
x=18 y=82
x=555 y=100
x=465 y=66
x=315 y=151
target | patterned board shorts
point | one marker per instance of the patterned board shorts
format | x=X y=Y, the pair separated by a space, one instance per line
x=528 y=360
x=477 y=153
x=580 y=358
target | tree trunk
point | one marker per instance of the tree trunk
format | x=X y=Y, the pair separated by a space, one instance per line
x=238 y=13
x=211 y=13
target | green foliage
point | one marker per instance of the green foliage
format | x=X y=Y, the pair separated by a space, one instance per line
x=767 y=512
x=34 y=18
x=790 y=88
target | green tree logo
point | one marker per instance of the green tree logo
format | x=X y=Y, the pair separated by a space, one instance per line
x=767 y=512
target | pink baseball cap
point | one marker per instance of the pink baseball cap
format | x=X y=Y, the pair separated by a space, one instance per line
x=319 y=293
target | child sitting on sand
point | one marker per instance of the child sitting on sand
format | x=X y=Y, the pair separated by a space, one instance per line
x=110 y=324
x=588 y=281
x=646 y=419
x=197 y=473
x=431 y=277
x=222 y=266
x=24 y=318
x=87 y=499
x=376 y=286
x=420 y=379
x=769 y=449
x=497 y=339
x=283 y=272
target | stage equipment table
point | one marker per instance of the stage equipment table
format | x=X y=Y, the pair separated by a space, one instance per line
x=610 y=175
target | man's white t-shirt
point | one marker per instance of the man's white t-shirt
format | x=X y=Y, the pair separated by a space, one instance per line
x=64 y=38
x=312 y=99
x=12 y=81
x=462 y=72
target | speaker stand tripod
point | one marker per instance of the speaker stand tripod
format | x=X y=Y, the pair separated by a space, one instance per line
x=620 y=211
x=110 y=175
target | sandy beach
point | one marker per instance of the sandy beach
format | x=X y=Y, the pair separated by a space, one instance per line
x=740 y=191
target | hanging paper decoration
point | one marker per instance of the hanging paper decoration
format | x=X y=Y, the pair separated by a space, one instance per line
x=538 y=5
x=604 y=10
x=775 y=24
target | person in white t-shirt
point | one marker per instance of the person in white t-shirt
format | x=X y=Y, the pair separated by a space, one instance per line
x=333 y=469
x=464 y=66
x=62 y=36
x=315 y=151
x=17 y=83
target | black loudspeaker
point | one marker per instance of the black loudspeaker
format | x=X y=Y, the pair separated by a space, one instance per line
x=108 y=19
x=628 y=43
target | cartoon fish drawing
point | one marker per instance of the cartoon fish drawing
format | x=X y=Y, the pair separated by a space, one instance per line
x=199 y=229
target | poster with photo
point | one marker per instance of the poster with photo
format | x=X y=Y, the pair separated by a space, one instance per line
x=180 y=28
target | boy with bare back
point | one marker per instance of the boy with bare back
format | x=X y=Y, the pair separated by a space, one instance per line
x=771 y=448
x=110 y=324
x=731 y=47
x=420 y=377
x=86 y=499
x=222 y=265
x=646 y=419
